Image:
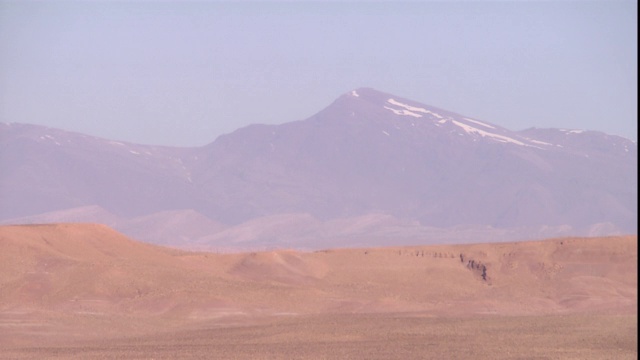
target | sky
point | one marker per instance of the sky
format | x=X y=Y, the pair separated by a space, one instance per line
x=182 y=73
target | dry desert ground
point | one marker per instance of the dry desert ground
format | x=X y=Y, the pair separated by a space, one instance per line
x=84 y=291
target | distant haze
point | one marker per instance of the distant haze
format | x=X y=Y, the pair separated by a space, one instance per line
x=183 y=73
x=370 y=168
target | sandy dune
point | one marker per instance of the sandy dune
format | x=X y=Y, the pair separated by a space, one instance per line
x=78 y=282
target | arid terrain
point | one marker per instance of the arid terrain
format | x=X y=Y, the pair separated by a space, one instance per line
x=84 y=291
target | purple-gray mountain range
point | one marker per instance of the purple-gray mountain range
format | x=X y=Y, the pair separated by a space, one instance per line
x=370 y=169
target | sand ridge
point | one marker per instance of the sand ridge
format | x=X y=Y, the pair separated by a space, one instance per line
x=91 y=267
x=76 y=274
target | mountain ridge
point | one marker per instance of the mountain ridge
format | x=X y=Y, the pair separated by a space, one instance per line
x=368 y=152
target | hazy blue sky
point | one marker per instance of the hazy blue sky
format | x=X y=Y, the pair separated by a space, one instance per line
x=182 y=73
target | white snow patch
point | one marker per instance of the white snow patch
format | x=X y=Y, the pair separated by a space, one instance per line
x=354 y=93
x=386 y=133
x=501 y=138
x=116 y=143
x=572 y=131
x=539 y=142
x=442 y=121
x=408 y=107
x=414 y=108
x=134 y=152
x=480 y=123
x=186 y=173
x=403 y=112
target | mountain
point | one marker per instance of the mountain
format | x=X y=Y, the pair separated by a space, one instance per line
x=46 y=169
x=368 y=155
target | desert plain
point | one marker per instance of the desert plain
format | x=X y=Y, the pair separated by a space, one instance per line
x=85 y=291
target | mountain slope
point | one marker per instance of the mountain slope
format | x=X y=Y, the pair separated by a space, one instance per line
x=372 y=152
x=46 y=169
x=367 y=153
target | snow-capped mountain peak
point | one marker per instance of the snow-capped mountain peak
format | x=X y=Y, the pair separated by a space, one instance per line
x=368 y=152
x=447 y=121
